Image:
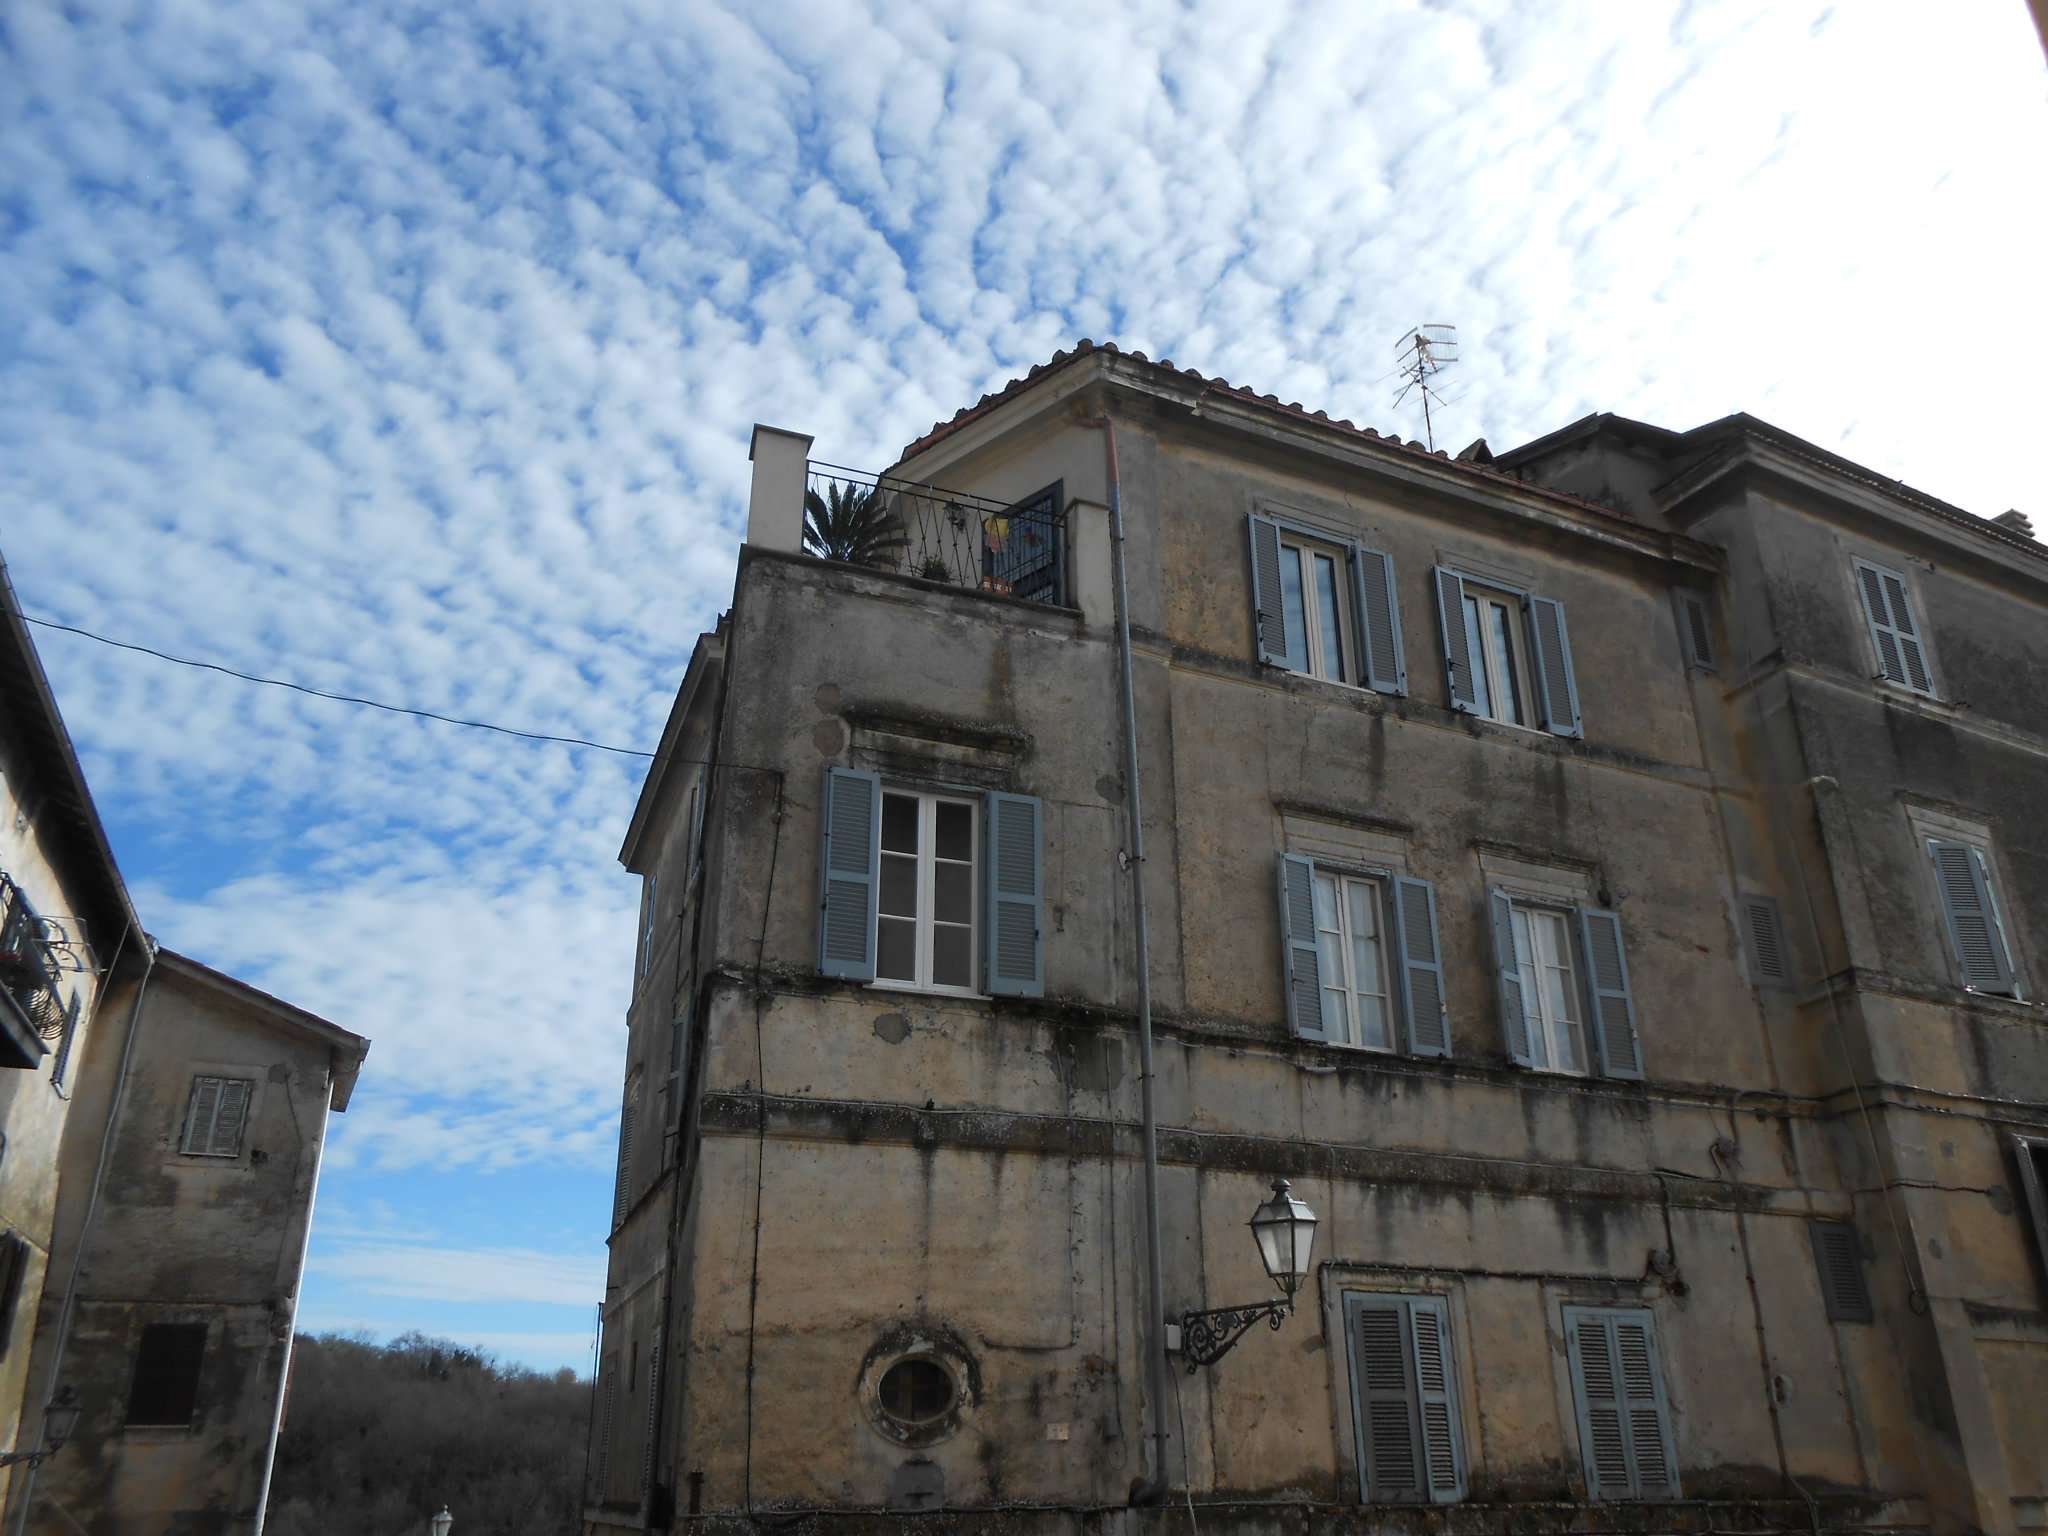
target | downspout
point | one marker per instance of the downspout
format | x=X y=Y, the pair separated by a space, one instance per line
x=92 y=1206
x=1150 y=1489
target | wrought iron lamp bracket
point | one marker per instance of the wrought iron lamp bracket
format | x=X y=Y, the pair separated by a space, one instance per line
x=1206 y=1337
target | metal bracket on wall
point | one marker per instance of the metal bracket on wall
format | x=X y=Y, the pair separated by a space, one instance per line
x=1207 y=1337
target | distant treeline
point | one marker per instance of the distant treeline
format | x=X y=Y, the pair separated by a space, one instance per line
x=377 y=1437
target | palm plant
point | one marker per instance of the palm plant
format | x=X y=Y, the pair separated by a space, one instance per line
x=852 y=523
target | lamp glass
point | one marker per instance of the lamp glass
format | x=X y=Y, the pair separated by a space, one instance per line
x=440 y=1523
x=1286 y=1232
x=60 y=1420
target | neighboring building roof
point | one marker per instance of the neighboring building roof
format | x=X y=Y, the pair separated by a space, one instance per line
x=66 y=814
x=708 y=653
x=346 y=1050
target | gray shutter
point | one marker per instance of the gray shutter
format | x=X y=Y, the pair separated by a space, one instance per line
x=849 y=860
x=622 y=1181
x=1016 y=891
x=1603 y=1438
x=1901 y=655
x=1838 y=1259
x=1450 y=618
x=70 y=1033
x=699 y=795
x=1911 y=652
x=1421 y=967
x=1651 y=1454
x=653 y=1411
x=1766 y=938
x=1304 y=967
x=1514 y=1021
x=200 y=1110
x=604 y=1431
x=1269 y=615
x=1443 y=1452
x=1383 y=1400
x=226 y=1140
x=1966 y=901
x=1552 y=654
x=1698 y=637
x=1610 y=1010
x=1379 y=621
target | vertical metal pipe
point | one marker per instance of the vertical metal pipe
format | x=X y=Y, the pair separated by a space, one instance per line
x=1150 y=1489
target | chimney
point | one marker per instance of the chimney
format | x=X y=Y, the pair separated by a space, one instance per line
x=2015 y=522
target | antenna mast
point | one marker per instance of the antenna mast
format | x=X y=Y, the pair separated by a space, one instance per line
x=1425 y=353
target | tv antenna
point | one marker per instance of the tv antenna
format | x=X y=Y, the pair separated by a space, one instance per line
x=1425 y=353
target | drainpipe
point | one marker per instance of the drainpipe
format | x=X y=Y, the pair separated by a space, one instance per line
x=1147 y=1490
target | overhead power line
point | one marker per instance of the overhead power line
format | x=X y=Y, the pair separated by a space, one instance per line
x=339 y=698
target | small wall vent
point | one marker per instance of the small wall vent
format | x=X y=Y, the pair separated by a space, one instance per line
x=1838 y=1256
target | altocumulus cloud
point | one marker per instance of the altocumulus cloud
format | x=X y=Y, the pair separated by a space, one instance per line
x=412 y=350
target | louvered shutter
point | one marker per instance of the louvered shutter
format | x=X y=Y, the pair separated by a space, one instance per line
x=1888 y=610
x=1611 y=1010
x=1514 y=1018
x=71 y=1010
x=1651 y=1457
x=232 y=1112
x=1383 y=1399
x=604 y=1431
x=699 y=796
x=1269 y=613
x=653 y=1412
x=1625 y=1439
x=1766 y=938
x=1838 y=1259
x=1698 y=637
x=1420 y=963
x=1556 y=688
x=1304 y=970
x=1016 y=951
x=1603 y=1441
x=1450 y=618
x=1912 y=653
x=1980 y=951
x=622 y=1181
x=1379 y=621
x=1443 y=1454
x=849 y=872
x=200 y=1110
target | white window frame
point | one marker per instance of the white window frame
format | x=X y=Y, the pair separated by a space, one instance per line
x=1544 y=1027
x=928 y=802
x=1304 y=550
x=1485 y=649
x=1344 y=880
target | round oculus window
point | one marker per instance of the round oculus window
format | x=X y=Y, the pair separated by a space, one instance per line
x=916 y=1391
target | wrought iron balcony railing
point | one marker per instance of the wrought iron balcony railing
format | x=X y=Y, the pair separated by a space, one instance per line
x=31 y=970
x=1016 y=550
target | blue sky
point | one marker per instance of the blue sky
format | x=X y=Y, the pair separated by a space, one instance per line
x=412 y=351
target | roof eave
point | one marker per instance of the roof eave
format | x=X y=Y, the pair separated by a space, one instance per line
x=346 y=1049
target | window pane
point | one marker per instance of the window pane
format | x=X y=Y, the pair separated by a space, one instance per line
x=1372 y=1022
x=1326 y=902
x=1291 y=609
x=899 y=885
x=1504 y=649
x=1326 y=613
x=955 y=839
x=899 y=823
x=1336 y=1016
x=1482 y=697
x=895 y=949
x=953 y=893
x=952 y=955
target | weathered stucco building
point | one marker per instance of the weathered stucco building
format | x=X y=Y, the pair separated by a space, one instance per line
x=1603 y=878
x=163 y=1128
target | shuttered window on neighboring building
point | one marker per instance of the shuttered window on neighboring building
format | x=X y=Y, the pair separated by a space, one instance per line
x=1695 y=632
x=653 y=1412
x=1625 y=1434
x=1404 y=1399
x=1896 y=638
x=1975 y=922
x=215 y=1115
x=165 y=1392
x=1326 y=607
x=622 y=1183
x=14 y=1256
x=2031 y=1154
x=1838 y=1261
x=1763 y=935
x=1350 y=939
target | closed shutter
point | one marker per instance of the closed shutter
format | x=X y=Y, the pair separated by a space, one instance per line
x=1016 y=951
x=1766 y=937
x=1838 y=1259
x=1556 y=689
x=1443 y=1457
x=1304 y=971
x=1514 y=1019
x=1420 y=965
x=1649 y=1420
x=1625 y=1441
x=849 y=871
x=1694 y=630
x=1981 y=956
x=1612 y=1010
x=233 y=1112
x=623 y=1179
x=214 y=1117
x=653 y=1412
x=13 y=1272
x=1379 y=621
x=1269 y=614
x=604 y=1431
x=63 y=1060
x=699 y=794
x=1389 y=1438
x=1911 y=651
x=1459 y=682
x=1888 y=610
x=199 y=1111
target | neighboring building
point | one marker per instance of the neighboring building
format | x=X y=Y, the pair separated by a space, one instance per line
x=158 y=1176
x=1603 y=878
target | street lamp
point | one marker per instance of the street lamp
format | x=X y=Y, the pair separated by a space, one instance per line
x=60 y=1419
x=1285 y=1230
x=438 y=1526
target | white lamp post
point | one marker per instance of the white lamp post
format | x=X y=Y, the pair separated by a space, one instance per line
x=1285 y=1230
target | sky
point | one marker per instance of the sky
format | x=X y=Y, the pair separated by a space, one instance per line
x=412 y=351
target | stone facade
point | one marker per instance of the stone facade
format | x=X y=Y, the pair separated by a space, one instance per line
x=1681 y=1077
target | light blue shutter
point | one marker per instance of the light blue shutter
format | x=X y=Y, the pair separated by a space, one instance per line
x=849 y=872
x=1611 y=1010
x=1972 y=924
x=1379 y=621
x=1603 y=1437
x=1436 y=1395
x=1269 y=616
x=1304 y=971
x=1421 y=967
x=1390 y=1451
x=1555 y=686
x=1652 y=1455
x=1016 y=880
x=1450 y=618
x=1901 y=657
x=1514 y=1019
